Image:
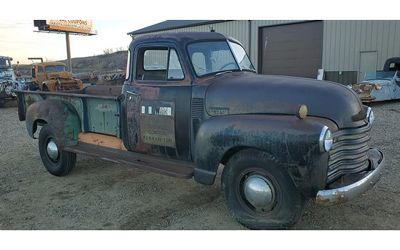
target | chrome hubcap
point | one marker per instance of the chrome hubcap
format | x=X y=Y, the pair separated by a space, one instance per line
x=258 y=192
x=52 y=150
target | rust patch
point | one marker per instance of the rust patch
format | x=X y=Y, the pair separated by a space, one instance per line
x=149 y=93
x=337 y=198
x=101 y=140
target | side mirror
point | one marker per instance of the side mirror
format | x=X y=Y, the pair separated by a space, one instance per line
x=33 y=73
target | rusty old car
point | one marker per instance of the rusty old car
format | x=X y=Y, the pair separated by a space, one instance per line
x=380 y=85
x=53 y=76
x=192 y=104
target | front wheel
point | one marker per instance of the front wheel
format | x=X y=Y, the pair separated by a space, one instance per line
x=45 y=88
x=2 y=102
x=57 y=161
x=260 y=194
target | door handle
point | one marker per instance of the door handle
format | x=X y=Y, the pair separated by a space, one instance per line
x=132 y=93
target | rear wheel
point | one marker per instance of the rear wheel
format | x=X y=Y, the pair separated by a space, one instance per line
x=57 y=161
x=45 y=88
x=260 y=194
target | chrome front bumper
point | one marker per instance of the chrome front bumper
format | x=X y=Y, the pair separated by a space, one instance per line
x=354 y=190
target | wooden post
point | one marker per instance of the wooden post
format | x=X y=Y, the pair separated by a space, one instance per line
x=69 y=63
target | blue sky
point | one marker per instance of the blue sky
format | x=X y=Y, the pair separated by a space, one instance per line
x=18 y=39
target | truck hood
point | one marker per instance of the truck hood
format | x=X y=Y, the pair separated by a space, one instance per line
x=61 y=75
x=6 y=74
x=250 y=93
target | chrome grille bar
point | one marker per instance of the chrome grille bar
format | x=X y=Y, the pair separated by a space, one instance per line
x=349 y=152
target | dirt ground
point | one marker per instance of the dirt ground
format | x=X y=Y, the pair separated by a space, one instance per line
x=104 y=195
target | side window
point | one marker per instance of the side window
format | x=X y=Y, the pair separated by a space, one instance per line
x=40 y=69
x=158 y=64
x=155 y=59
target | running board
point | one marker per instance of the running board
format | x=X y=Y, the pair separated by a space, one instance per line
x=171 y=167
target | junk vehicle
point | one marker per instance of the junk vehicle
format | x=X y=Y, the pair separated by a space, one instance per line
x=8 y=80
x=191 y=103
x=53 y=76
x=380 y=85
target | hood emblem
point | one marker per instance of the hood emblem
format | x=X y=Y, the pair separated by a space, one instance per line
x=303 y=111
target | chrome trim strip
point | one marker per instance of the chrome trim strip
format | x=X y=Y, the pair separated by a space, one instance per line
x=321 y=138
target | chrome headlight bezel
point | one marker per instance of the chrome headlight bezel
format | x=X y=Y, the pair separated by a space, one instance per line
x=370 y=115
x=325 y=139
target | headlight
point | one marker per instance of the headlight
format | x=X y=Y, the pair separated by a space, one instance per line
x=325 y=139
x=370 y=115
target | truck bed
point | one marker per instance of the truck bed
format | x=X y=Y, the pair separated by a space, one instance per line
x=98 y=107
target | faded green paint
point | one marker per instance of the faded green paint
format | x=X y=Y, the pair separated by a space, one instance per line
x=71 y=126
x=76 y=102
x=103 y=116
x=69 y=114
x=57 y=114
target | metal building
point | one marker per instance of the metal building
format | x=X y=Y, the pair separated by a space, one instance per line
x=345 y=49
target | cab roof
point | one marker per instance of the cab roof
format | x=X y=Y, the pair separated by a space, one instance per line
x=50 y=64
x=5 y=57
x=179 y=37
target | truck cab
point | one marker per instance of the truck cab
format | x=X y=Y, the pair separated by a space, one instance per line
x=7 y=80
x=53 y=76
x=192 y=104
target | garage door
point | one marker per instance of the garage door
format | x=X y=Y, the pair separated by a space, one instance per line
x=292 y=49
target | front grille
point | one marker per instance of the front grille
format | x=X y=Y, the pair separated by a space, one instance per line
x=349 y=153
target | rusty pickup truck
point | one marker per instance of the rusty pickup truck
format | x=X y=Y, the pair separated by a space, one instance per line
x=193 y=104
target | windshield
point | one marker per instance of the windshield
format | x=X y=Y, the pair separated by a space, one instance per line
x=241 y=57
x=55 y=68
x=379 y=75
x=211 y=57
x=5 y=63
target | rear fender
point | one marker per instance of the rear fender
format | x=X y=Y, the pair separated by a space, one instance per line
x=60 y=115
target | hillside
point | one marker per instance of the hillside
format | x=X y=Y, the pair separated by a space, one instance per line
x=96 y=64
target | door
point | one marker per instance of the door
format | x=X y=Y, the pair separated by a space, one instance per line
x=158 y=108
x=368 y=63
x=291 y=49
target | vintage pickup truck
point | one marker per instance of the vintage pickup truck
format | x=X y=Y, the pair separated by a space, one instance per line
x=383 y=85
x=192 y=103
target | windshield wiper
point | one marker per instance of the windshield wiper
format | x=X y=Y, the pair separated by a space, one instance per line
x=223 y=72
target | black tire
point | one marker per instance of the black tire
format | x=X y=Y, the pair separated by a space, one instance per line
x=65 y=161
x=45 y=88
x=2 y=102
x=288 y=203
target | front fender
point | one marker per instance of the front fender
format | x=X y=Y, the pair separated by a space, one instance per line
x=60 y=115
x=292 y=142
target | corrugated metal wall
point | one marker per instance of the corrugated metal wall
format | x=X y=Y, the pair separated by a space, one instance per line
x=343 y=40
x=236 y=29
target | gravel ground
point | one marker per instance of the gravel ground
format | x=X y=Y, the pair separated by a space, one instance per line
x=103 y=195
